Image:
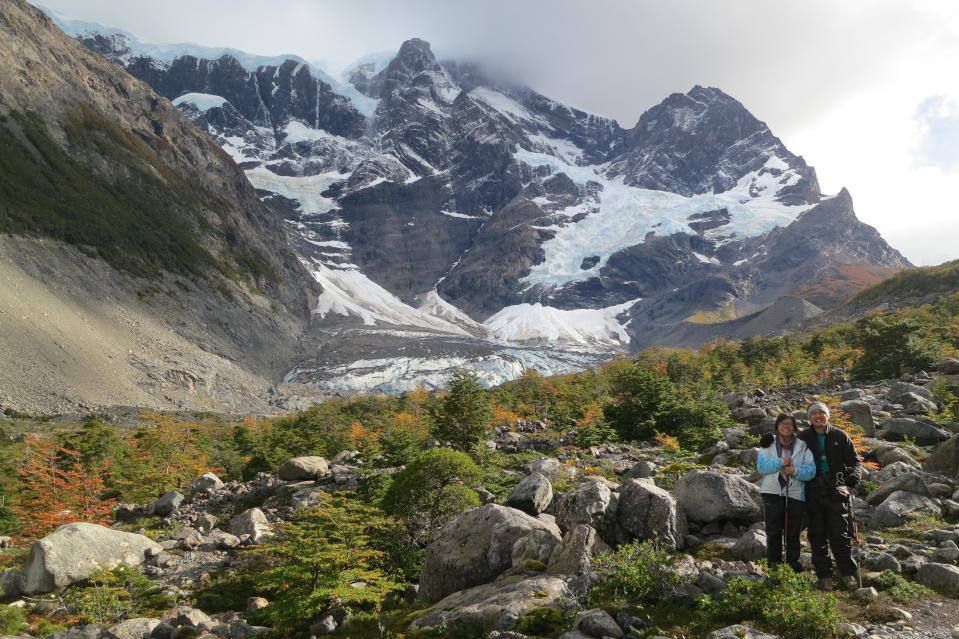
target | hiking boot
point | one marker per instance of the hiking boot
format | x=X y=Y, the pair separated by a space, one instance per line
x=824 y=584
x=850 y=583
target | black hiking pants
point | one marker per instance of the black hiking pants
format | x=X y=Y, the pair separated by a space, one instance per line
x=830 y=527
x=778 y=522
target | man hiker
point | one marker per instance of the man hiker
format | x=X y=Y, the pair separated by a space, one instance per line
x=786 y=464
x=828 y=498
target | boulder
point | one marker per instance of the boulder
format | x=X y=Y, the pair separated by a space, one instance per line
x=539 y=546
x=73 y=551
x=168 y=503
x=888 y=455
x=306 y=467
x=911 y=482
x=589 y=502
x=860 y=412
x=89 y=631
x=945 y=459
x=492 y=606
x=948 y=366
x=11 y=583
x=474 y=548
x=751 y=546
x=205 y=482
x=641 y=470
x=252 y=523
x=138 y=628
x=532 y=495
x=921 y=432
x=647 y=511
x=901 y=391
x=740 y=632
x=573 y=555
x=707 y=495
x=597 y=623
x=901 y=506
x=941 y=577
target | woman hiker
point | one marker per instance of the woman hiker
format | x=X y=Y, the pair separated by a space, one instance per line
x=786 y=465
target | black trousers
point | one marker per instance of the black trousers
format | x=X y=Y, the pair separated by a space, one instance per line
x=830 y=527
x=778 y=523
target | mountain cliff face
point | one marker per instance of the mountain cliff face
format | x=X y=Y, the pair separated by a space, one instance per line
x=94 y=160
x=453 y=219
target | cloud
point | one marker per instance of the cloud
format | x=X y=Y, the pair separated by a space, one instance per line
x=938 y=142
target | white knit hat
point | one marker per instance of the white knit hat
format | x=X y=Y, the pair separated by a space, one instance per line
x=817 y=406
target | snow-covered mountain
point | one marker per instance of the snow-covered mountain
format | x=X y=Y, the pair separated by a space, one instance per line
x=453 y=219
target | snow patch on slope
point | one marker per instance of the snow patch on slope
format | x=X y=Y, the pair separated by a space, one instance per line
x=307 y=190
x=545 y=324
x=202 y=101
x=627 y=214
x=350 y=293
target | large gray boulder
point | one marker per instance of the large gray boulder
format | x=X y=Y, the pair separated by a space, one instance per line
x=474 y=548
x=539 y=546
x=168 y=504
x=911 y=482
x=306 y=467
x=647 y=511
x=589 y=502
x=901 y=506
x=532 y=495
x=72 y=552
x=597 y=623
x=740 y=632
x=945 y=459
x=707 y=495
x=89 y=631
x=11 y=583
x=138 y=628
x=941 y=577
x=948 y=366
x=750 y=546
x=492 y=606
x=205 y=482
x=901 y=392
x=574 y=554
x=922 y=433
x=860 y=412
x=252 y=523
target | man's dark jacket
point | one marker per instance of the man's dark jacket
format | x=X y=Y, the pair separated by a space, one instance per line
x=841 y=455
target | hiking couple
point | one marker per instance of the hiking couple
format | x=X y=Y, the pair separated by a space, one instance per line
x=807 y=479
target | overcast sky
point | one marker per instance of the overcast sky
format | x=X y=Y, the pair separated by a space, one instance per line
x=867 y=91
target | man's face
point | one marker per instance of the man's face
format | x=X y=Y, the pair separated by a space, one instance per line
x=818 y=418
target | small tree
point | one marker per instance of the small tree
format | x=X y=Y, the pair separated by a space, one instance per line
x=465 y=415
x=57 y=489
x=325 y=558
x=431 y=490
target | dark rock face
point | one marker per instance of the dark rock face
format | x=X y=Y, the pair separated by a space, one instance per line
x=460 y=182
x=705 y=141
x=269 y=96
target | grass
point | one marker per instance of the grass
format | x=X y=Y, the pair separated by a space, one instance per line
x=915 y=282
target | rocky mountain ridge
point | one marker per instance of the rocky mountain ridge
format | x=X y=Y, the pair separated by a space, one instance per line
x=448 y=218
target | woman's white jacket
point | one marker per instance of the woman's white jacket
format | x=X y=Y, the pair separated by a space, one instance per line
x=768 y=463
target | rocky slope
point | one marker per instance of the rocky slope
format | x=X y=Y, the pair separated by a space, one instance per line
x=491 y=566
x=122 y=220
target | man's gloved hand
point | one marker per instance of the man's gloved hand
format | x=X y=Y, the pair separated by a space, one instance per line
x=766 y=440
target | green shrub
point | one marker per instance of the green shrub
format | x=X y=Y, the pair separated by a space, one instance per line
x=316 y=560
x=13 y=621
x=433 y=489
x=542 y=621
x=635 y=573
x=110 y=596
x=900 y=589
x=783 y=603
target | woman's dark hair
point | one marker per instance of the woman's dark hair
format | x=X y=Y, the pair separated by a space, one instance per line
x=783 y=417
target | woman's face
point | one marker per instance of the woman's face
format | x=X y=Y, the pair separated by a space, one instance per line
x=787 y=428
